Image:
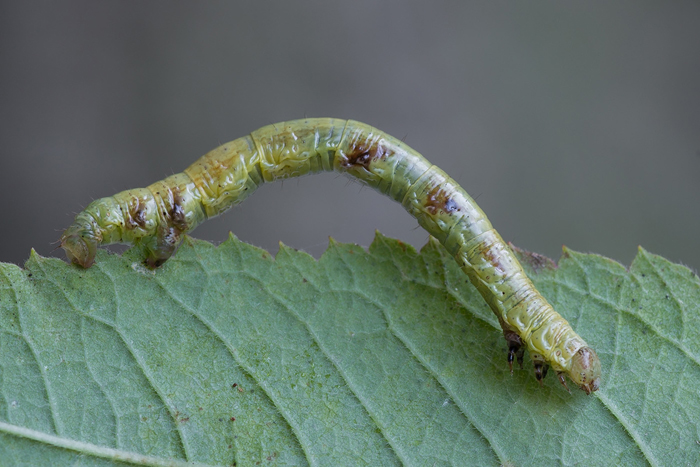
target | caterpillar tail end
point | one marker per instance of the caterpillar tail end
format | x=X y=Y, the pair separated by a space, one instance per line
x=79 y=247
x=586 y=370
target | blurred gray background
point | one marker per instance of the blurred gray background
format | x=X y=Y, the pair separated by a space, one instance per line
x=571 y=123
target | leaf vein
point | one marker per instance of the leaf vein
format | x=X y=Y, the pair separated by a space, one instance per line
x=405 y=341
x=249 y=370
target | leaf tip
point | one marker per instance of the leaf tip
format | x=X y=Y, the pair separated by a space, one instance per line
x=34 y=258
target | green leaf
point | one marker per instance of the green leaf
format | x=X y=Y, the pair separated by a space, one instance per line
x=227 y=356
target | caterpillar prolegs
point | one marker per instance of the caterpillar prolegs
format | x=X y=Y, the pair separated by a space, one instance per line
x=158 y=216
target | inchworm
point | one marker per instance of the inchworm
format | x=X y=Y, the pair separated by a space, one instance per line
x=158 y=216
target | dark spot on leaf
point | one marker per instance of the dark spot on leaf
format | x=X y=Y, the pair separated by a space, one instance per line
x=535 y=261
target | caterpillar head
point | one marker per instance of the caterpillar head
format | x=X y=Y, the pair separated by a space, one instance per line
x=585 y=369
x=80 y=245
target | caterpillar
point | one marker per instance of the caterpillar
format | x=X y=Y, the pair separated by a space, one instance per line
x=157 y=217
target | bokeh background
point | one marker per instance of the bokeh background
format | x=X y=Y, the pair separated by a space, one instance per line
x=571 y=123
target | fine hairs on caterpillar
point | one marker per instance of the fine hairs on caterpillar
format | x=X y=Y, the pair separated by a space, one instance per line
x=158 y=216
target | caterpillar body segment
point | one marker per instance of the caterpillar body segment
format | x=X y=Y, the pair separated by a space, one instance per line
x=158 y=216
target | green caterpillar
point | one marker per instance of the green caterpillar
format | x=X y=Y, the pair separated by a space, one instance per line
x=158 y=216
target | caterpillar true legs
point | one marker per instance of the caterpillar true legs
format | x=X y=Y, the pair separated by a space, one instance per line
x=157 y=217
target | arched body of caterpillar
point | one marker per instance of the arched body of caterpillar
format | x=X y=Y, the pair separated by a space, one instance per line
x=158 y=216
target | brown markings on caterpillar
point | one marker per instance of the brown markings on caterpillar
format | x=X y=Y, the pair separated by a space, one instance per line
x=135 y=214
x=362 y=152
x=438 y=199
x=171 y=230
x=177 y=212
x=492 y=256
